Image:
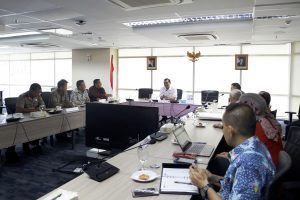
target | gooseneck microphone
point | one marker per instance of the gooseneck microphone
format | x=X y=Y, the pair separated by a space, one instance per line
x=178 y=114
x=151 y=141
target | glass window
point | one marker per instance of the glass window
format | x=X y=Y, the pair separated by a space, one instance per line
x=134 y=52
x=295 y=76
x=295 y=103
x=268 y=73
x=5 y=91
x=19 y=72
x=42 y=72
x=4 y=57
x=23 y=56
x=4 y=75
x=178 y=69
x=218 y=50
x=215 y=73
x=127 y=94
x=63 y=70
x=178 y=51
x=133 y=73
x=42 y=56
x=280 y=103
x=15 y=91
x=266 y=49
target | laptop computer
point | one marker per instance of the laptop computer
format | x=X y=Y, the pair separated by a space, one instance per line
x=184 y=141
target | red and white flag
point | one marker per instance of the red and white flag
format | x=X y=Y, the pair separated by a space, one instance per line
x=111 y=75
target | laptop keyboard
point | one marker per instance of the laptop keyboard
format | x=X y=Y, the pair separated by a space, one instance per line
x=201 y=149
x=196 y=148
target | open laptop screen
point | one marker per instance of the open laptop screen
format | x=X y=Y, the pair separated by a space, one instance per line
x=182 y=137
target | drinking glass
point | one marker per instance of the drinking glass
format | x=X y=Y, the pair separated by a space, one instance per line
x=143 y=154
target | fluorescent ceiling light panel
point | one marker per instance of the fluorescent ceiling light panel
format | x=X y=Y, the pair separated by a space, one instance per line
x=9 y=35
x=189 y=20
x=58 y=31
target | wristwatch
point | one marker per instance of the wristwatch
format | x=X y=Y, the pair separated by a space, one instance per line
x=204 y=190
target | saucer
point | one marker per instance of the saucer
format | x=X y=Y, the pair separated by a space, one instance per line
x=149 y=176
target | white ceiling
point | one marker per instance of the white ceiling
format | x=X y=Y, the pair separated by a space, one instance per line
x=104 y=20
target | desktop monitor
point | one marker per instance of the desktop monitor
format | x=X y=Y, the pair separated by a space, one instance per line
x=209 y=96
x=117 y=127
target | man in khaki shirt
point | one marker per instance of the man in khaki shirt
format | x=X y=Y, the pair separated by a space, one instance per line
x=31 y=100
x=60 y=97
x=27 y=102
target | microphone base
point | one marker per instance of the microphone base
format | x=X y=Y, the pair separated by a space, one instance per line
x=159 y=136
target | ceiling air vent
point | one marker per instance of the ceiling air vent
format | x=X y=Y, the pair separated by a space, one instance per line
x=135 y=5
x=39 y=45
x=198 y=37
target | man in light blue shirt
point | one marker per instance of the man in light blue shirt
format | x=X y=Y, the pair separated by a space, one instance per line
x=251 y=168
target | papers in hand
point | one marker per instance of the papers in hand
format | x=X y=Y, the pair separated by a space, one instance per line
x=177 y=180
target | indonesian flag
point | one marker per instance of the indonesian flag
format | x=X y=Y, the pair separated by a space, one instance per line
x=111 y=73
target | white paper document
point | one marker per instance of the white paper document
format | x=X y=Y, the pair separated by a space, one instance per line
x=177 y=180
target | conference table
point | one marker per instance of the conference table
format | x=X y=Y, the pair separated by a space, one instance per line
x=120 y=185
x=166 y=108
x=29 y=128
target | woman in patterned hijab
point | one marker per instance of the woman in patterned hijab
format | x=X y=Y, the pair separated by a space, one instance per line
x=268 y=130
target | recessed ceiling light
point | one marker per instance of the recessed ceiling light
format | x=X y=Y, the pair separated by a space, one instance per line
x=189 y=20
x=9 y=35
x=58 y=31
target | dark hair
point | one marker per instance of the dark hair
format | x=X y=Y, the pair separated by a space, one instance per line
x=79 y=82
x=241 y=117
x=266 y=96
x=236 y=86
x=167 y=79
x=61 y=83
x=34 y=87
x=96 y=81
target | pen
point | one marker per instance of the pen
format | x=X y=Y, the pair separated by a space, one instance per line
x=187 y=183
x=56 y=197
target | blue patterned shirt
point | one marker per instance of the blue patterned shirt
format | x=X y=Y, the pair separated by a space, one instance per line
x=250 y=170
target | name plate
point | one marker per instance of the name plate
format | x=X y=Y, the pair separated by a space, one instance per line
x=72 y=109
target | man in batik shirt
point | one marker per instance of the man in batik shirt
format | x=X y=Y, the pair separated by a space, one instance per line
x=251 y=168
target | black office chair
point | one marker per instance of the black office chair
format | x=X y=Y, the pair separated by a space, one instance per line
x=145 y=93
x=10 y=104
x=209 y=96
x=274 y=113
x=291 y=187
x=46 y=98
x=179 y=94
x=273 y=189
x=290 y=122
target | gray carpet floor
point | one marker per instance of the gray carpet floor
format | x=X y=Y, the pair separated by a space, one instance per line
x=32 y=176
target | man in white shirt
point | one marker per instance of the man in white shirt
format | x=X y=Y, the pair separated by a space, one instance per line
x=167 y=92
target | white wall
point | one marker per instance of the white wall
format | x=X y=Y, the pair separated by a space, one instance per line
x=97 y=67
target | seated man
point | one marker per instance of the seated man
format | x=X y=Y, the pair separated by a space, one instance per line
x=234 y=97
x=27 y=102
x=167 y=92
x=60 y=97
x=251 y=167
x=80 y=96
x=97 y=92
